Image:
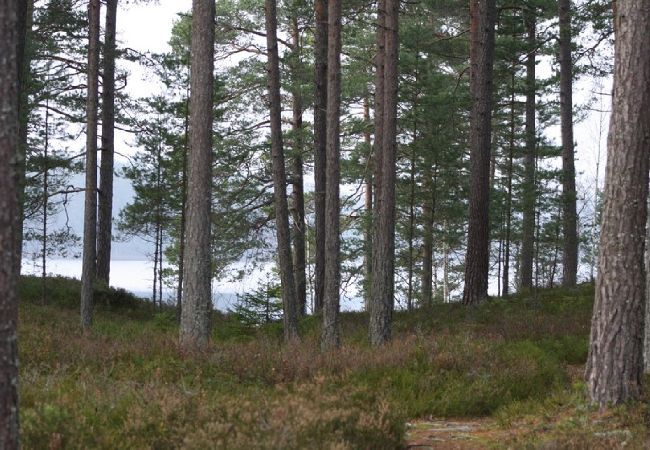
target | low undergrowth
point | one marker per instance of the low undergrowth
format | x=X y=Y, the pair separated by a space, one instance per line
x=125 y=385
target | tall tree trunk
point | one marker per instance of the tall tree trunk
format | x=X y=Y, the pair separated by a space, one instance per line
x=529 y=189
x=11 y=39
x=289 y=299
x=368 y=191
x=154 y=286
x=46 y=201
x=428 y=213
x=570 y=219
x=482 y=17
x=157 y=265
x=511 y=155
x=90 y=205
x=646 y=341
x=181 y=238
x=379 y=101
x=298 y=193
x=331 y=336
x=320 y=149
x=105 y=208
x=445 y=273
x=383 y=283
x=556 y=251
x=411 y=231
x=25 y=18
x=197 y=266
x=615 y=363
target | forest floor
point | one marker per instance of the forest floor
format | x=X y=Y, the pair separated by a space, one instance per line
x=507 y=374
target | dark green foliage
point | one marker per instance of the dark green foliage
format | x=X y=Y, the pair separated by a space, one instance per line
x=63 y=292
x=259 y=307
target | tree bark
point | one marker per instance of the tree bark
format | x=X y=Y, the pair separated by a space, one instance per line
x=528 y=224
x=646 y=341
x=482 y=17
x=320 y=149
x=11 y=36
x=331 y=335
x=289 y=299
x=90 y=205
x=181 y=238
x=383 y=286
x=25 y=17
x=570 y=252
x=615 y=363
x=379 y=101
x=197 y=298
x=298 y=192
x=105 y=209
x=368 y=197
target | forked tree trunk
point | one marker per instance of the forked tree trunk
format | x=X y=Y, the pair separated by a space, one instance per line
x=615 y=363
x=11 y=34
x=528 y=224
x=197 y=298
x=331 y=338
x=289 y=302
x=320 y=146
x=570 y=218
x=482 y=17
x=105 y=209
x=383 y=264
x=90 y=204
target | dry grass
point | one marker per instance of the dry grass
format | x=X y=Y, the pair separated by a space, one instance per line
x=125 y=385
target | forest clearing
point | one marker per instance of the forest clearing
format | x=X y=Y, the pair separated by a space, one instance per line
x=411 y=198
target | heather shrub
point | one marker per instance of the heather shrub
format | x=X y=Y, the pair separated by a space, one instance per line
x=124 y=384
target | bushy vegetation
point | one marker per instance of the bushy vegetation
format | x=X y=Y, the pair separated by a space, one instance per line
x=125 y=385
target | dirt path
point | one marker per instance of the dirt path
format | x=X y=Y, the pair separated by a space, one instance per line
x=450 y=434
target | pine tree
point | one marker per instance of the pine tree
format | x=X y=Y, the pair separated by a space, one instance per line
x=330 y=338
x=615 y=363
x=383 y=263
x=570 y=216
x=90 y=204
x=482 y=17
x=105 y=207
x=197 y=298
x=289 y=298
x=11 y=46
x=320 y=146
